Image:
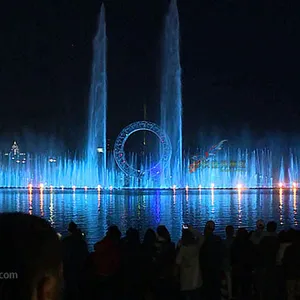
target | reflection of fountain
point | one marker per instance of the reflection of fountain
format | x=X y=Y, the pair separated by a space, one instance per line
x=30 y=202
x=51 y=210
x=281 y=206
x=295 y=206
x=41 y=202
x=239 y=206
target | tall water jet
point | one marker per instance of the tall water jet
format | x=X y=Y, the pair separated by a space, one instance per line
x=96 y=144
x=171 y=100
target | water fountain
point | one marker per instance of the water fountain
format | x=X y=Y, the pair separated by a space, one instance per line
x=171 y=102
x=232 y=166
x=96 y=145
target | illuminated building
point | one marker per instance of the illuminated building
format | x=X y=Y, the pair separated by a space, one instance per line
x=15 y=154
x=108 y=145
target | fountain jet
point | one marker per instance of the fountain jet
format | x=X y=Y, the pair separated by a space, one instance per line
x=171 y=100
x=96 y=144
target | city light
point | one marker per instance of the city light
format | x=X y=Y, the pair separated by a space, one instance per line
x=239 y=186
x=294 y=185
x=174 y=189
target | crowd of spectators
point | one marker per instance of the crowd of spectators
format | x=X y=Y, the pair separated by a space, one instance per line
x=260 y=264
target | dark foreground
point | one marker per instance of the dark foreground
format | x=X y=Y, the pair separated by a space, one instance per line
x=36 y=264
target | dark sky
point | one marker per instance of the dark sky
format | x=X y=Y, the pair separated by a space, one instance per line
x=240 y=62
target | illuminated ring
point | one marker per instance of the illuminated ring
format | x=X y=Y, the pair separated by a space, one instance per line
x=165 y=145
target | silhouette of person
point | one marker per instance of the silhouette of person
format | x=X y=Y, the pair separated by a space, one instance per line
x=31 y=252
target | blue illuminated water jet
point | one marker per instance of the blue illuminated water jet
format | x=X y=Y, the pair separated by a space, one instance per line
x=171 y=101
x=96 y=145
x=231 y=167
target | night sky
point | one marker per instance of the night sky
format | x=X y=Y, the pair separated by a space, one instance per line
x=240 y=63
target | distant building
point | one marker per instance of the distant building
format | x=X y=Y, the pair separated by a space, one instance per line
x=15 y=149
x=52 y=160
x=108 y=145
x=15 y=154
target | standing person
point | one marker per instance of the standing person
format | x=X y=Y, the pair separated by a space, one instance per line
x=75 y=253
x=211 y=258
x=227 y=268
x=164 y=264
x=285 y=240
x=242 y=257
x=31 y=254
x=257 y=235
x=148 y=255
x=268 y=250
x=131 y=265
x=188 y=262
x=291 y=267
x=107 y=263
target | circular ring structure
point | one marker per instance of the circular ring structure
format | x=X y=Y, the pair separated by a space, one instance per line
x=165 y=145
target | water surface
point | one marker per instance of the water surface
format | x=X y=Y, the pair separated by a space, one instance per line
x=94 y=211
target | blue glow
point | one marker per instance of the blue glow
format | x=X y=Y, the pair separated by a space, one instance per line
x=228 y=168
x=171 y=101
x=95 y=165
x=260 y=169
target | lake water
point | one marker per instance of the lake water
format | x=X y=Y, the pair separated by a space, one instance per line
x=94 y=211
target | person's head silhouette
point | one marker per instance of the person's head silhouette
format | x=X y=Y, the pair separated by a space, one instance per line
x=30 y=256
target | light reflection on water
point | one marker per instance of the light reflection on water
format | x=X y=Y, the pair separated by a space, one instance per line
x=94 y=212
